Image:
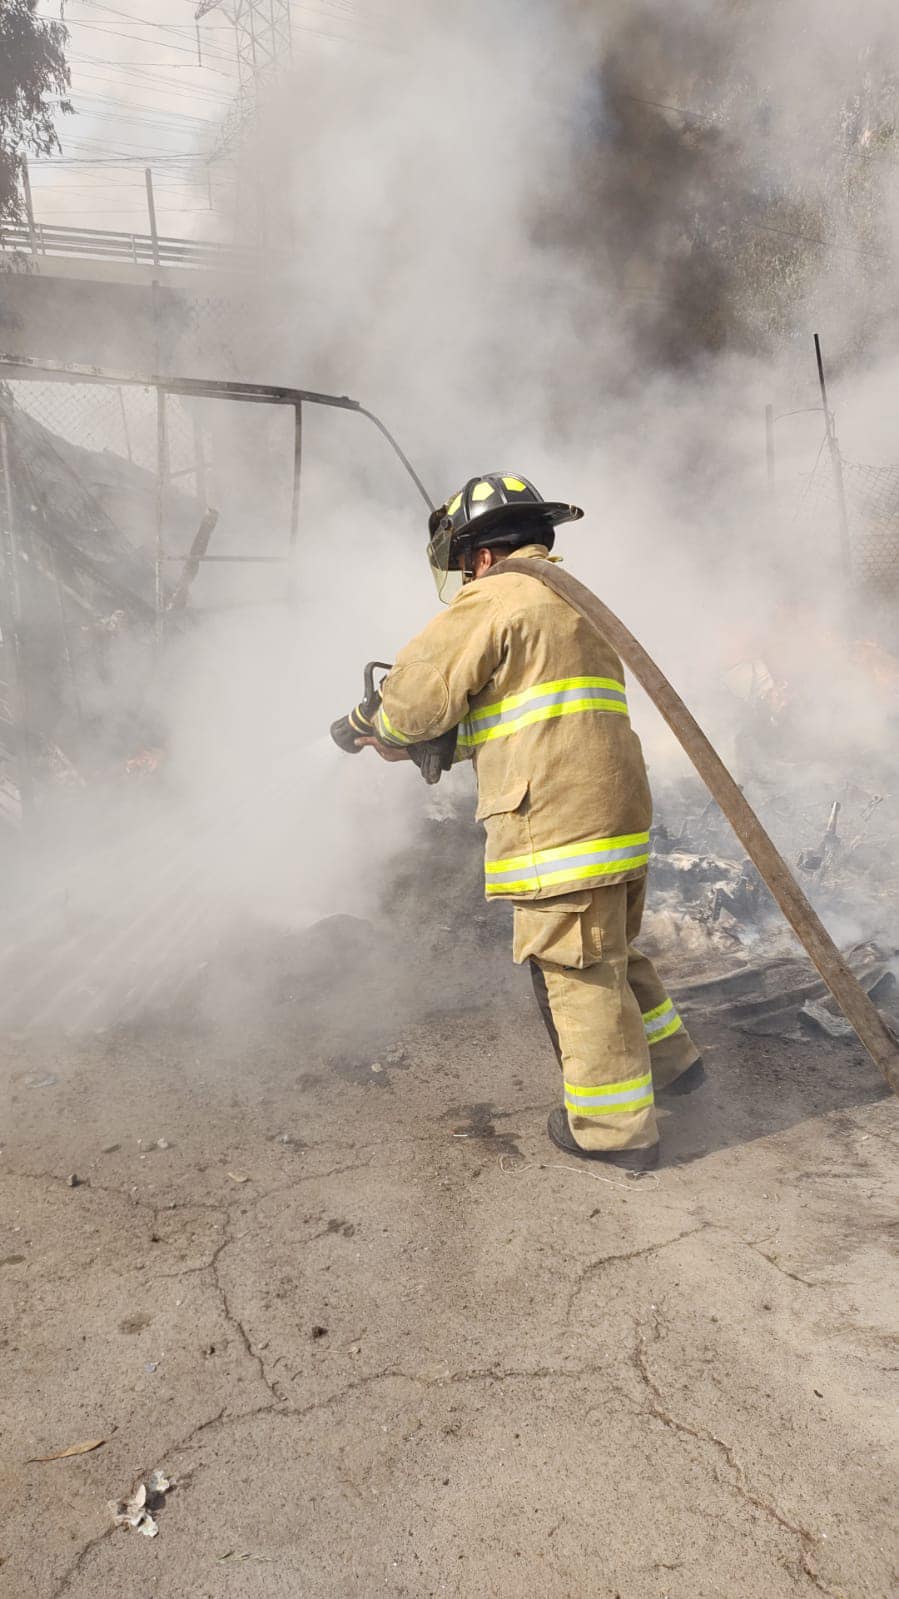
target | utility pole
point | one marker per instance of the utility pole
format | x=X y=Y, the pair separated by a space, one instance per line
x=151 y=212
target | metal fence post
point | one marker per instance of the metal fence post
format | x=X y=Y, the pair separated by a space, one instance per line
x=837 y=465
x=292 y=585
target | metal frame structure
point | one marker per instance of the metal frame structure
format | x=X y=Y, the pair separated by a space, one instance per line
x=19 y=368
x=263 y=40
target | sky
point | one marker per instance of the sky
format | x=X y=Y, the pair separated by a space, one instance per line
x=142 y=98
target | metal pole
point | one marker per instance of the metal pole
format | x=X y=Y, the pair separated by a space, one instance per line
x=292 y=587
x=769 y=448
x=151 y=208
x=837 y=465
x=65 y=634
x=125 y=423
x=29 y=204
x=162 y=473
x=10 y=617
x=199 y=464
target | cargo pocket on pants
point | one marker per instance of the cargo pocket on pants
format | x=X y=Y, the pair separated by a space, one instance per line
x=560 y=930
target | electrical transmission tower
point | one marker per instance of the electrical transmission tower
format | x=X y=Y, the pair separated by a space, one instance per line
x=263 y=40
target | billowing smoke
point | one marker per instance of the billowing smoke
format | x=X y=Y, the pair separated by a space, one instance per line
x=590 y=242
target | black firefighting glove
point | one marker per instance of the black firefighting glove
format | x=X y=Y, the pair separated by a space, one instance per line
x=434 y=756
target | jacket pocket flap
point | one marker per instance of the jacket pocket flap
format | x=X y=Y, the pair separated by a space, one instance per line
x=502 y=803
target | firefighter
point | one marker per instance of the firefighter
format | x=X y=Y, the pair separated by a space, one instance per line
x=536 y=699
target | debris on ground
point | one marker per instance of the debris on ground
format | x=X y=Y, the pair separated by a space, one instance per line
x=86 y=1448
x=136 y=1511
x=783 y=996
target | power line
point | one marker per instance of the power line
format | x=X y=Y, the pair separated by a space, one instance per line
x=180 y=27
x=170 y=66
x=146 y=117
x=150 y=83
x=113 y=33
x=163 y=157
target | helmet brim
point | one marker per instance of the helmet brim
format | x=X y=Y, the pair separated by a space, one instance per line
x=549 y=513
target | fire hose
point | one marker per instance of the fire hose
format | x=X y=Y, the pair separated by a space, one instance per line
x=855 y=1004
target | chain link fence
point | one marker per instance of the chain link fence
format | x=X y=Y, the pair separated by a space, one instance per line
x=121 y=420
x=872 y=513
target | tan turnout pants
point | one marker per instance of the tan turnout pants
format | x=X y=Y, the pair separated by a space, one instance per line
x=615 y=1032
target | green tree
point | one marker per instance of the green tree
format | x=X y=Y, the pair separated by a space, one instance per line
x=32 y=69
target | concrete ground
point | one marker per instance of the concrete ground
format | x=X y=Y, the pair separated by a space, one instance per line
x=388 y=1340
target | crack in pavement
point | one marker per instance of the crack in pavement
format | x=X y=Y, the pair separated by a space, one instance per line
x=755 y=1244
x=772 y=1260
x=92 y=1543
x=279 y=1408
x=602 y=1261
x=307 y=1177
x=234 y=1320
x=128 y=1195
x=71 y=1571
x=656 y=1407
x=277 y=1403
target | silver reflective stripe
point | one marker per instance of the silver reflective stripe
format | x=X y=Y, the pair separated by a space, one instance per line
x=568 y=863
x=479 y=724
x=660 y=1022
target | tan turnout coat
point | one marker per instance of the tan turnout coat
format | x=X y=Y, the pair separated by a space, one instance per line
x=539 y=701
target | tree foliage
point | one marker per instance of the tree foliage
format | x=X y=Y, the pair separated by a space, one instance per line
x=32 y=69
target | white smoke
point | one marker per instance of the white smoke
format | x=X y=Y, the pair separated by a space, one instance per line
x=580 y=242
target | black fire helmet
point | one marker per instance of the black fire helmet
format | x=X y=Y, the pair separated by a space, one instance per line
x=498 y=508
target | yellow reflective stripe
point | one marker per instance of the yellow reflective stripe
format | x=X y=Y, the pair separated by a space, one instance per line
x=560 y=851
x=653 y=1015
x=388 y=732
x=544 y=714
x=587 y=1090
x=661 y=1023
x=537 y=692
x=576 y=874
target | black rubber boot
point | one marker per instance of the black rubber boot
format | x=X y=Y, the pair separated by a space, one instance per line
x=631 y=1159
x=687 y=1082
